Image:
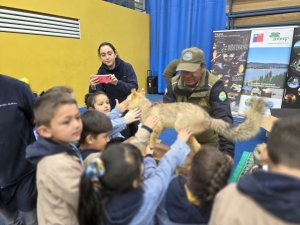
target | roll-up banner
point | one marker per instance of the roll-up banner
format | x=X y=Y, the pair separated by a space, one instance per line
x=229 y=56
x=267 y=66
x=291 y=98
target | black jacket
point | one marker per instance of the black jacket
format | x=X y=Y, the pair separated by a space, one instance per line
x=16 y=130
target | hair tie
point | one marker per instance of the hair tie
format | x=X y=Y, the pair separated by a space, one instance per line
x=95 y=169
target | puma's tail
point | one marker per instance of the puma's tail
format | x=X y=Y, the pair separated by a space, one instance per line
x=247 y=129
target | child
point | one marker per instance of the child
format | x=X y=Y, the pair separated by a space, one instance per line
x=59 y=89
x=112 y=191
x=94 y=135
x=267 y=197
x=189 y=199
x=59 y=165
x=100 y=102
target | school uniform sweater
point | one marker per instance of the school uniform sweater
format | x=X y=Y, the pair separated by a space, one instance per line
x=118 y=123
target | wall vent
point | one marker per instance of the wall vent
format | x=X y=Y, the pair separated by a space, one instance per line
x=18 y=21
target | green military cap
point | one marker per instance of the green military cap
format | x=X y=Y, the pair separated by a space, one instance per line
x=190 y=60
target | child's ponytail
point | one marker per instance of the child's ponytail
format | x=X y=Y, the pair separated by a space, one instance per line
x=90 y=209
x=218 y=180
x=115 y=173
x=210 y=170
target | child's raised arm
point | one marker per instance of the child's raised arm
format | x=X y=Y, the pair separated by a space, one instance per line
x=141 y=137
x=123 y=106
x=156 y=185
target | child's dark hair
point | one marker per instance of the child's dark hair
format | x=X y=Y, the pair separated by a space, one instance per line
x=283 y=142
x=94 y=123
x=45 y=106
x=108 y=44
x=89 y=98
x=210 y=170
x=122 y=163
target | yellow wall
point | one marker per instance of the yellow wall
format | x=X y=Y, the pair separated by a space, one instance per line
x=48 y=61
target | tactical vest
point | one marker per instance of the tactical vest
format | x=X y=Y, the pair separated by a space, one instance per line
x=198 y=95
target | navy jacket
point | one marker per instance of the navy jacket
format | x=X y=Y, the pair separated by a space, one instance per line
x=45 y=147
x=276 y=193
x=127 y=80
x=175 y=209
x=16 y=130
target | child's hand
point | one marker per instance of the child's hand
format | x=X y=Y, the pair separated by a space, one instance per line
x=123 y=106
x=151 y=121
x=132 y=116
x=184 y=134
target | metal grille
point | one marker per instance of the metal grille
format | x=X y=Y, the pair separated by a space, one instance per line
x=17 y=21
x=132 y=4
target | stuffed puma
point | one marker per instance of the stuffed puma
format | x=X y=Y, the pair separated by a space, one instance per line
x=180 y=115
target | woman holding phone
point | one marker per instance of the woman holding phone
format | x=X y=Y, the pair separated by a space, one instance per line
x=121 y=74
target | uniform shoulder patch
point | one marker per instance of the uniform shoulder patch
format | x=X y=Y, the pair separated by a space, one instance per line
x=222 y=96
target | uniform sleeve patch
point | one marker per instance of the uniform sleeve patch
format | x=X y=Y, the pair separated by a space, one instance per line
x=222 y=96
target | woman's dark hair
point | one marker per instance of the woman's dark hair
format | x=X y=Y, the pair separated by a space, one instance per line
x=210 y=170
x=89 y=98
x=108 y=44
x=122 y=163
x=94 y=123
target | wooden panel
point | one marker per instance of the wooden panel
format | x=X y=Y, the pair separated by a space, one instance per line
x=268 y=19
x=246 y=5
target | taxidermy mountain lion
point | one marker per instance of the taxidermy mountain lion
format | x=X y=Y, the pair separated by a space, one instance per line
x=181 y=115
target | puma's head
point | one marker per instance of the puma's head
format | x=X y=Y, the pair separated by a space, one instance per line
x=136 y=99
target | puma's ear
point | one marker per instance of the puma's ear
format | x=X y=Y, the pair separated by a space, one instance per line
x=143 y=91
x=133 y=92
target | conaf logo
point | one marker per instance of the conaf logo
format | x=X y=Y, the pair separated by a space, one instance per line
x=187 y=56
x=276 y=37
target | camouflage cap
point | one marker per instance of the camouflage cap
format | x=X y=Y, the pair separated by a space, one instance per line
x=190 y=60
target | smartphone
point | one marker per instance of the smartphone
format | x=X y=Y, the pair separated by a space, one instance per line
x=103 y=78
